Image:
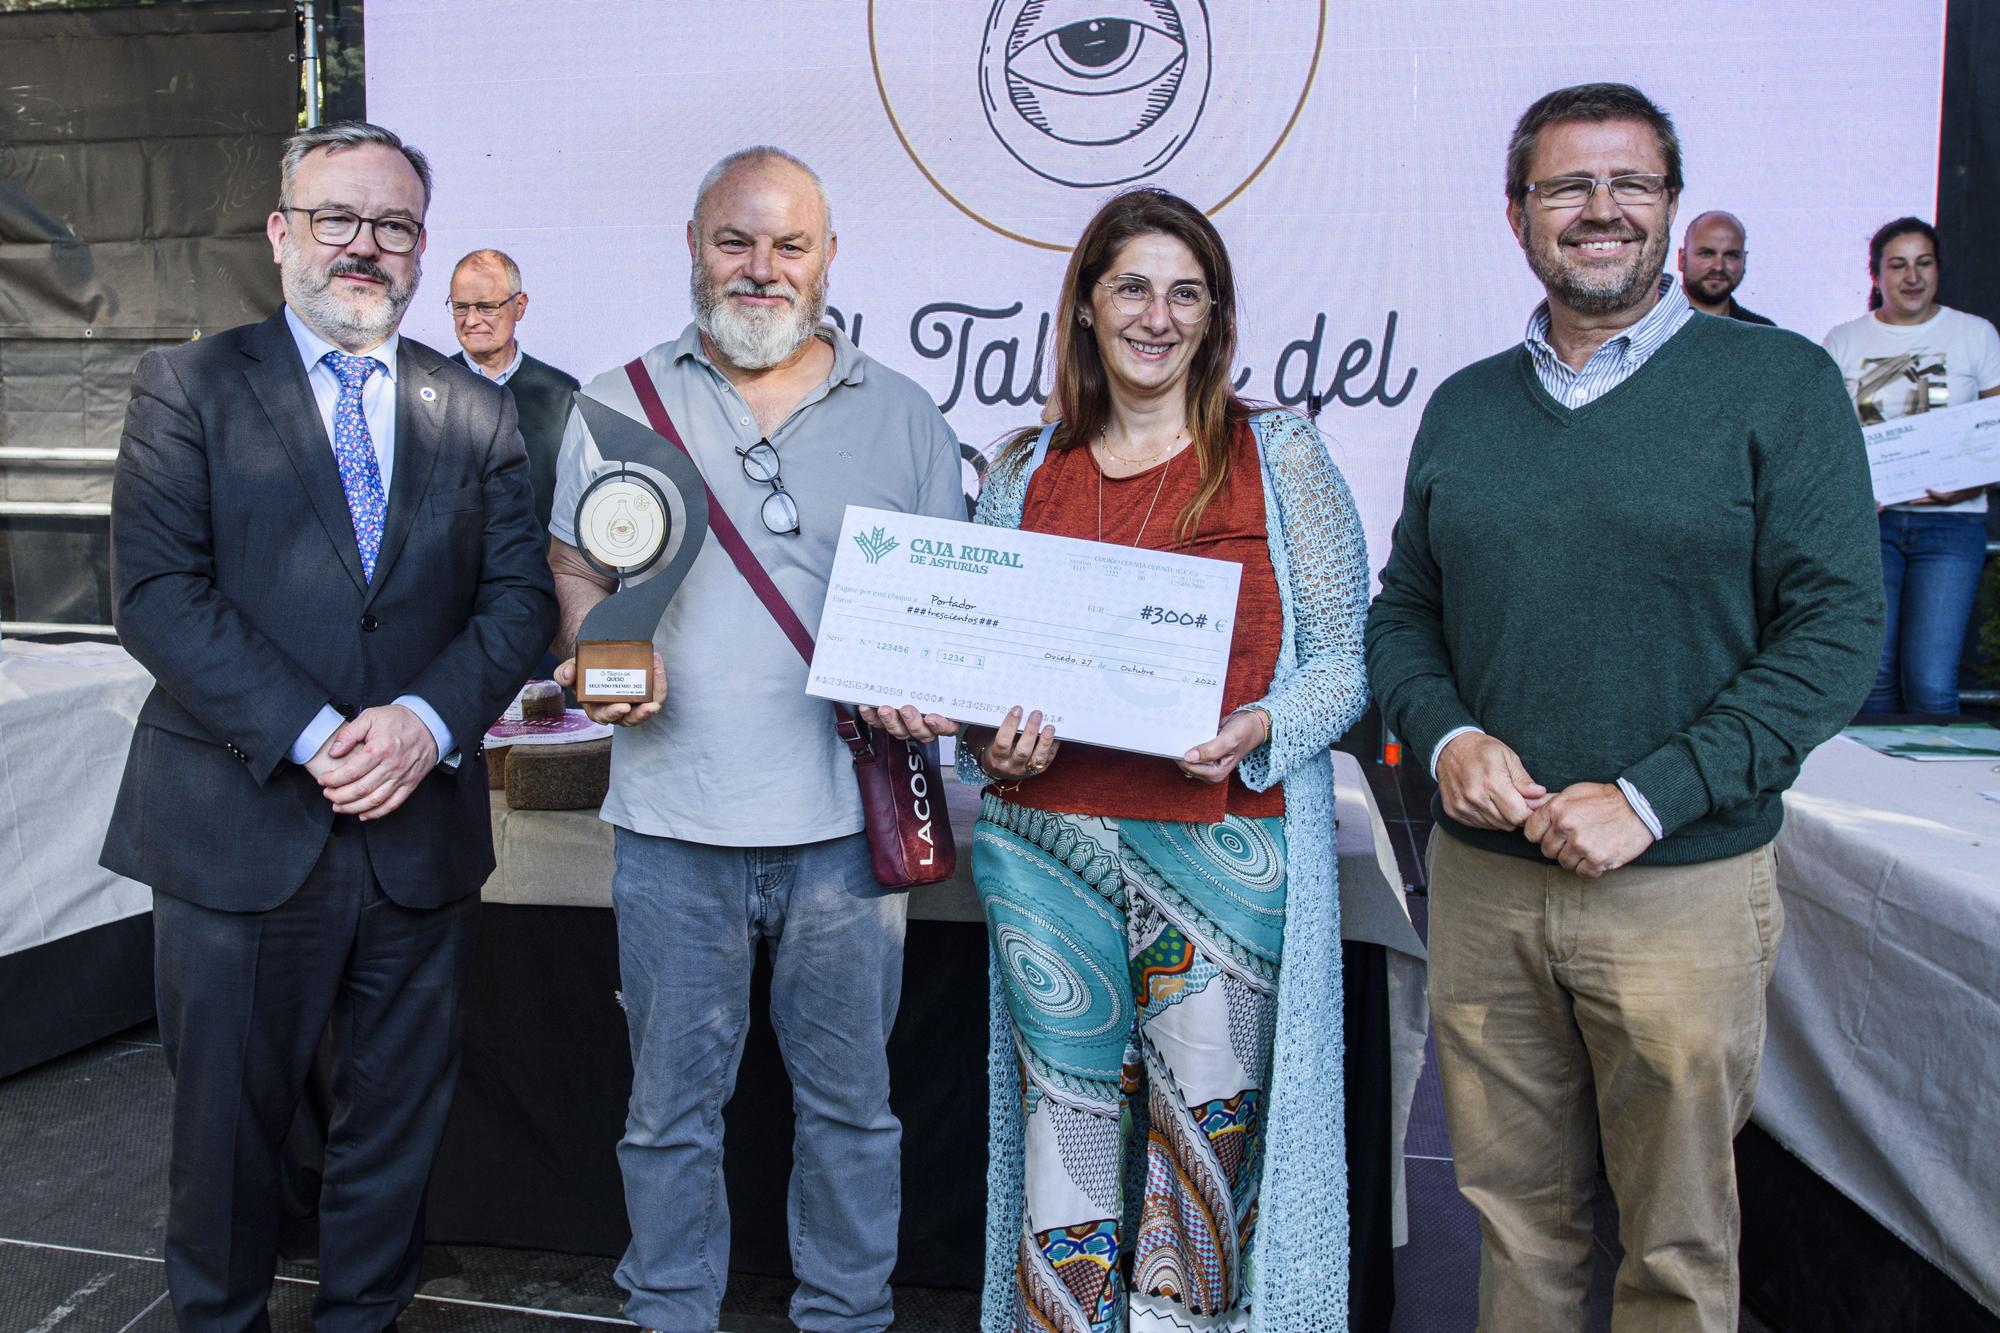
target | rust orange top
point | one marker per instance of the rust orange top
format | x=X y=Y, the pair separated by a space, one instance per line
x=1063 y=499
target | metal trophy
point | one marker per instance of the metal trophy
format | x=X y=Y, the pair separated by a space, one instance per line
x=641 y=520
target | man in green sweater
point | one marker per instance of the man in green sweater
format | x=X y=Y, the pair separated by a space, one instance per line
x=1634 y=583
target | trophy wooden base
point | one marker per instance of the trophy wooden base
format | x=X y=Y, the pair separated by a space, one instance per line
x=614 y=671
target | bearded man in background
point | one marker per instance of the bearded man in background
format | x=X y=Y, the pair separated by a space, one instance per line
x=738 y=818
x=1713 y=258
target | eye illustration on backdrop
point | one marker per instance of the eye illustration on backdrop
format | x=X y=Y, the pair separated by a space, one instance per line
x=1089 y=93
x=1025 y=114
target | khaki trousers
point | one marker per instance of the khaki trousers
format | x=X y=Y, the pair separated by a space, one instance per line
x=1629 y=1007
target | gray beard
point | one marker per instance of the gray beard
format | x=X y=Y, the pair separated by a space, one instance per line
x=1589 y=296
x=755 y=341
x=339 y=321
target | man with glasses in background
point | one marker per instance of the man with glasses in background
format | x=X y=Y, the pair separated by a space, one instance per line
x=1633 y=585
x=738 y=816
x=487 y=303
x=323 y=547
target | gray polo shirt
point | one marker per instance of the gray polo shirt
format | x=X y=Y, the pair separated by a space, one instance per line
x=741 y=755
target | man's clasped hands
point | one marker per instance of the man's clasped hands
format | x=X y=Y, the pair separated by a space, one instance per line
x=374 y=760
x=1588 y=827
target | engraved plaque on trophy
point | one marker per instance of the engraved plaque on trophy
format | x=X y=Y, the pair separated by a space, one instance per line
x=641 y=521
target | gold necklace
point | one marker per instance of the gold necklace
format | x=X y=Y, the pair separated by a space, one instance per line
x=1104 y=440
x=1149 y=505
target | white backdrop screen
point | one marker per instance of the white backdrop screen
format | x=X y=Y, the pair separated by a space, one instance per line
x=1350 y=151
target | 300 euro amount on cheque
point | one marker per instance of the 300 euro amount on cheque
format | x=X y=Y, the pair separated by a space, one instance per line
x=1115 y=645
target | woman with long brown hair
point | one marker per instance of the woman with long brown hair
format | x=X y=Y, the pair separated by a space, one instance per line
x=1167 y=1064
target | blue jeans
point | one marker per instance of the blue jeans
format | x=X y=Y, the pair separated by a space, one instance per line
x=1930 y=574
x=689 y=920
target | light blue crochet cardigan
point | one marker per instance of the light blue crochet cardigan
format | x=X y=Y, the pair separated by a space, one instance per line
x=1300 y=1271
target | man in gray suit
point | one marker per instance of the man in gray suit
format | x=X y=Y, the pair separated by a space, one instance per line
x=324 y=549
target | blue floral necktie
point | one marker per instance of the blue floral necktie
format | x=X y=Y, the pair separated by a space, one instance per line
x=354 y=452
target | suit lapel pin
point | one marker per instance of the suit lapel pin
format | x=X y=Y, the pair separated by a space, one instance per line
x=428 y=394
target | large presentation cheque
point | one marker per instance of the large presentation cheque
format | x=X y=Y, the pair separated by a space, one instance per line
x=1117 y=646
x=1946 y=450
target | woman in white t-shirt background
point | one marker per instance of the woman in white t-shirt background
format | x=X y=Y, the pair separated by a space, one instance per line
x=1932 y=549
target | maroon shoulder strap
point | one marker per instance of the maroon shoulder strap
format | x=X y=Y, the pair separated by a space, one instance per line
x=725 y=531
x=746 y=562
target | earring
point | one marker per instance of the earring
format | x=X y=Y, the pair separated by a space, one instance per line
x=1083 y=320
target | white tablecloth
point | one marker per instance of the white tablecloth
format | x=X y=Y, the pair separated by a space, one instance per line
x=1373 y=908
x=1882 y=1061
x=66 y=717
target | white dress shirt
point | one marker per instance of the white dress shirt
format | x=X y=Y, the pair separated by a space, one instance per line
x=378 y=406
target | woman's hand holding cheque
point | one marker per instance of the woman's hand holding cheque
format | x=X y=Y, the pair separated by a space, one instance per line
x=1240 y=733
x=1011 y=752
x=1019 y=749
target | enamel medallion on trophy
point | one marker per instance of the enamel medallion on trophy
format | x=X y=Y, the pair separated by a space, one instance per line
x=641 y=521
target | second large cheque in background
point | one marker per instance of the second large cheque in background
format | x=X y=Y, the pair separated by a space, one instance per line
x=1949 y=449
x=1116 y=645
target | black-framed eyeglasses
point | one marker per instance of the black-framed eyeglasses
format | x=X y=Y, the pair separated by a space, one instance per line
x=1639 y=187
x=337 y=226
x=486 y=309
x=780 y=512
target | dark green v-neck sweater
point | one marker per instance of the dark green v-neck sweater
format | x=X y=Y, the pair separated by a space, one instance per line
x=1677 y=584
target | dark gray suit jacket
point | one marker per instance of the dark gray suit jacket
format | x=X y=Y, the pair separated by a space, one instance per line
x=238 y=584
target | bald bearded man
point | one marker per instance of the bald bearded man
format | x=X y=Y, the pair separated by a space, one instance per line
x=1713 y=260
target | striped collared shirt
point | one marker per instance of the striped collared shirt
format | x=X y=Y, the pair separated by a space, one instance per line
x=1615 y=362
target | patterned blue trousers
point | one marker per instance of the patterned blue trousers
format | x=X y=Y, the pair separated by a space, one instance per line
x=1140 y=961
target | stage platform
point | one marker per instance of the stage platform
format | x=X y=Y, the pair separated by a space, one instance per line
x=82 y=1198
x=82 y=1203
